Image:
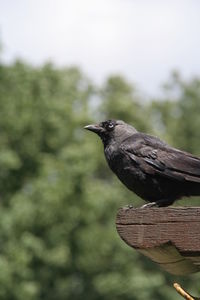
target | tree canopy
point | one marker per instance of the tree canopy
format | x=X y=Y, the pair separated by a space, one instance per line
x=59 y=199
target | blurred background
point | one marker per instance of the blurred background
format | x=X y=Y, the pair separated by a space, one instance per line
x=65 y=64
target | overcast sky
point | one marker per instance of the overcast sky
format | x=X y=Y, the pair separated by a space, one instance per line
x=142 y=39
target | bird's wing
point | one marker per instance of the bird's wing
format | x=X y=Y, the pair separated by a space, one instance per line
x=156 y=157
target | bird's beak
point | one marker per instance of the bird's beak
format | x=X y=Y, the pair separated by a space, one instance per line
x=94 y=127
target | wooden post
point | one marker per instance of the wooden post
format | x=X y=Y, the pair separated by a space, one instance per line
x=169 y=236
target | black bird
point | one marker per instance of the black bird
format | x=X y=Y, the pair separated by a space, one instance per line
x=148 y=166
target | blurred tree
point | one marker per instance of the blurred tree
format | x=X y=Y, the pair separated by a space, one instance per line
x=58 y=198
x=121 y=101
x=177 y=117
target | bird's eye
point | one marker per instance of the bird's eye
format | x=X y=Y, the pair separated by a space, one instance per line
x=110 y=126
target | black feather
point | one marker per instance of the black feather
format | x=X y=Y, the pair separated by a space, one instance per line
x=148 y=166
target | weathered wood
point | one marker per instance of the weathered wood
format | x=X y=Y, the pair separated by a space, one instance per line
x=169 y=236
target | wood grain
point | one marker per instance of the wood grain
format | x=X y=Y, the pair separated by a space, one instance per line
x=169 y=236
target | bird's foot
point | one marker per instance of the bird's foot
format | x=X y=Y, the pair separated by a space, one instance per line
x=159 y=203
x=128 y=206
x=149 y=205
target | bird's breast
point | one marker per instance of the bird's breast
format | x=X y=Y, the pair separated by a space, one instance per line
x=121 y=164
x=128 y=171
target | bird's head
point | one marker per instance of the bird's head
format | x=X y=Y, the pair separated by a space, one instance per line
x=112 y=130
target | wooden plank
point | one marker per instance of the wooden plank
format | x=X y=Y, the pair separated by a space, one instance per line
x=169 y=236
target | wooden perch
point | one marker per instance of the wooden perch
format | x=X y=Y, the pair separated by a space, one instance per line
x=170 y=236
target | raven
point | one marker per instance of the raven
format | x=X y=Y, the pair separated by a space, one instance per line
x=155 y=171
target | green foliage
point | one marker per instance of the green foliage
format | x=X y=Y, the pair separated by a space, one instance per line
x=59 y=199
x=177 y=117
x=121 y=101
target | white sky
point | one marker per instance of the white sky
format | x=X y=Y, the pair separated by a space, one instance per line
x=141 y=39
